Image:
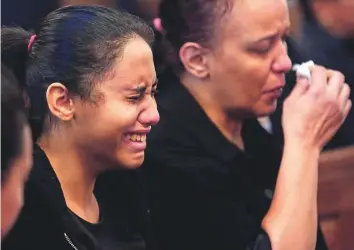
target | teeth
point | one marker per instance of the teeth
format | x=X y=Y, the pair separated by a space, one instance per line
x=136 y=137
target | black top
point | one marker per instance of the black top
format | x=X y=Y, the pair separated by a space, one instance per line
x=47 y=223
x=205 y=193
x=104 y=235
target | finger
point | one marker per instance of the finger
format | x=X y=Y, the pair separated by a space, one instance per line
x=344 y=95
x=335 y=83
x=319 y=79
x=330 y=72
x=347 y=108
x=301 y=86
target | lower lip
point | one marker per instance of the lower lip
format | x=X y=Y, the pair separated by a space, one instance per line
x=274 y=94
x=135 y=146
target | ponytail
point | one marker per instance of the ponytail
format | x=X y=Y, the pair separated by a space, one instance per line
x=15 y=49
x=14 y=52
x=166 y=57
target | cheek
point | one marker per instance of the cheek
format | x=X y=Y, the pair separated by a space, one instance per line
x=243 y=77
x=254 y=76
x=346 y=17
x=120 y=115
x=109 y=121
x=11 y=202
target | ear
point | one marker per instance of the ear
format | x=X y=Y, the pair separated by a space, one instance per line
x=59 y=102
x=194 y=58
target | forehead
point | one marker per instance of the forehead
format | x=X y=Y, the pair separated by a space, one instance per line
x=135 y=65
x=254 y=18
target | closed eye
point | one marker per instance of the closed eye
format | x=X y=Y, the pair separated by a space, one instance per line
x=265 y=44
x=154 y=92
x=135 y=98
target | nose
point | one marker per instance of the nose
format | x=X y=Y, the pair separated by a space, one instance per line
x=150 y=115
x=282 y=63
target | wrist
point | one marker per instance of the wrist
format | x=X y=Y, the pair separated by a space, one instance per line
x=301 y=145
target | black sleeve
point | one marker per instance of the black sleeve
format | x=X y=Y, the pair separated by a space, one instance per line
x=262 y=242
x=193 y=206
x=34 y=227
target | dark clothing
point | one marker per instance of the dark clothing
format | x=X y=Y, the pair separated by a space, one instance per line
x=205 y=193
x=104 y=235
x=46 y=222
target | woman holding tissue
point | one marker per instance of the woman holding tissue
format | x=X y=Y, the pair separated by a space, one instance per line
x=216 y=179
x=91 y=81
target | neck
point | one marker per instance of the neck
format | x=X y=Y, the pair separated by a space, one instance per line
x=76 y=177
x=229 y=125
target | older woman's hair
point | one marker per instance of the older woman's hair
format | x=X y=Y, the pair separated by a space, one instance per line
x=187 y=21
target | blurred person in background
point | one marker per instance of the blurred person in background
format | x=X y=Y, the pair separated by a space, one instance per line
x=26 y=14
x=326 y=36
x=216 y=178
x=91 y=81
x=16 y=150
x=29 y=14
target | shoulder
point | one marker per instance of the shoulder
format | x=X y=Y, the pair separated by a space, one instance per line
x=34 y=228
x=37 y=221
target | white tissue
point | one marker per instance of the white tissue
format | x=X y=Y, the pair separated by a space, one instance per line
x=303 y=69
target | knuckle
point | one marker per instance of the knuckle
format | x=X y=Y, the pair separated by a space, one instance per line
x=331 y=101
x=317 y=93
x=346 y=88
x=319 y=69
x=339 y=76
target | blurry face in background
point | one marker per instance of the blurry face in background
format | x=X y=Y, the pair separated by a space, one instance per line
x=150 y=7
x=12 y=187
x=249 y=57
x=337 y=16
x=114 y=131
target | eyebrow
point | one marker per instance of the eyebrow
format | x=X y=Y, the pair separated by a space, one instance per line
x=267 y=38
x=141 y=88
x=271 y=37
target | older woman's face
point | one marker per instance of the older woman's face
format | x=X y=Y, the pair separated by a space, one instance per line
x=250 y=58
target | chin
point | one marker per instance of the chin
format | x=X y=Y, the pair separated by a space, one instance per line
x=131 y=161
x=266 y=110
x=133 y=165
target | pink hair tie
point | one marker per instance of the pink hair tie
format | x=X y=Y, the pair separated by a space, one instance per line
x=31 y=42
x=157 y=24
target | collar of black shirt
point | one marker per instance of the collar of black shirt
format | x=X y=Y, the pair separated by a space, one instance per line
x=177 y=103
